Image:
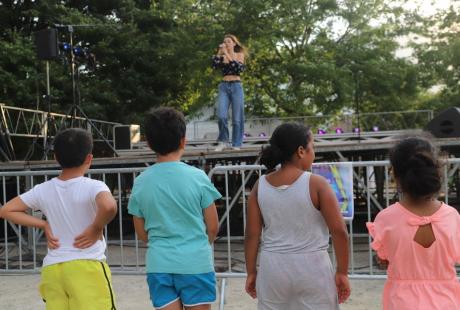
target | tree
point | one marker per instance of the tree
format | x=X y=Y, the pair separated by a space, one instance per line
x=439 y=60
x=305 y=57
x=137 y=68
x=315 y=51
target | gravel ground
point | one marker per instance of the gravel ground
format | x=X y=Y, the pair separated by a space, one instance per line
x=19 y=292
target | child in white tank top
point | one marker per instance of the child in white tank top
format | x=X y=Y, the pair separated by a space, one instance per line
x=296 y=211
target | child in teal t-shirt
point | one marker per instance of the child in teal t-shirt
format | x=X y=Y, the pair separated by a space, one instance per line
x=173 y=210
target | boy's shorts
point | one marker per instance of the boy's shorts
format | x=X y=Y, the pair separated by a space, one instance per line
x=191 y=289
x=77 y=284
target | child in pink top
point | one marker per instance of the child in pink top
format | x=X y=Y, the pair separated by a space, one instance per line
x=419 y=236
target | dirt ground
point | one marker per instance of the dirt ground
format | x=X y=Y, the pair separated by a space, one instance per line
x=19 y=292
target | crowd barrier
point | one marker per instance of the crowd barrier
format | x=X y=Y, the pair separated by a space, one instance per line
x=22 y=249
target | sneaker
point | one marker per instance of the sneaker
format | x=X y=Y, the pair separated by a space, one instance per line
x=220 y=147
x=236 y=148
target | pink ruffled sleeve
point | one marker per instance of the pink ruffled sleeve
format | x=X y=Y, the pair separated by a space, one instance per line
x=377 y=244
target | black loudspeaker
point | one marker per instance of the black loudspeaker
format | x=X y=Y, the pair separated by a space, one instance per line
x=47 y=44
x=446 y=124
x=125 y=135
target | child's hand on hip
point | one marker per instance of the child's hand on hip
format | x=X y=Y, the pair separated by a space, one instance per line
x=343 y=287
x=88 y=237
x=53 y=242
x=251 y=285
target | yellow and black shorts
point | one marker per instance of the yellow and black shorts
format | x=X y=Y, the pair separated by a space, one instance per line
x=77 y=285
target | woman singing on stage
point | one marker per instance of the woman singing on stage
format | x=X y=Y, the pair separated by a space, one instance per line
x=230 y=60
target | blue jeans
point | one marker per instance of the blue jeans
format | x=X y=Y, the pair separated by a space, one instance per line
x=231 y=94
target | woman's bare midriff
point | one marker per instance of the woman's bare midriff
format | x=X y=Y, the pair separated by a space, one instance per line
x=231 y=78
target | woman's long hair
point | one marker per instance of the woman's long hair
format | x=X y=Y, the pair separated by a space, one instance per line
x=239 y=48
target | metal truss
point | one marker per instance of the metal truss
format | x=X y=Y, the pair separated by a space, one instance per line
x=28 y=123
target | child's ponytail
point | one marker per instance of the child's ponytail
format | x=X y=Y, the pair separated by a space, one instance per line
x=271 y=156
x=285 y=141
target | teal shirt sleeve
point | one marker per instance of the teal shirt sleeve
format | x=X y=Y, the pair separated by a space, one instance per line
x=134 y=207
x=208 y=192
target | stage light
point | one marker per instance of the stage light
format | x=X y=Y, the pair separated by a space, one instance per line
x=356 y=130
x=78 y=51
x=339 y=130
x=321 y=131
x=262 y=135
x=65 y=46
x=375 y=128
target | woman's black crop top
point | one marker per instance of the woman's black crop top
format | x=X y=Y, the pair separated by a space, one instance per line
x=231 y=68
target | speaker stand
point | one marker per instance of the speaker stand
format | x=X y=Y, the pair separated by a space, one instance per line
x=73 y=112
x=44 y=128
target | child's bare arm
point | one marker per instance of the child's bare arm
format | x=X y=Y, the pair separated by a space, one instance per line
x=106 y=211
x=211 y=220
x=15 y=212
x=329 y=208
x=139 y=223
x=252 y=240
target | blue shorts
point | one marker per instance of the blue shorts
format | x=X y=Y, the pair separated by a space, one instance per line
x=191 y=289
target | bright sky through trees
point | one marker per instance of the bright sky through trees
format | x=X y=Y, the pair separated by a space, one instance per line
x=428 y=8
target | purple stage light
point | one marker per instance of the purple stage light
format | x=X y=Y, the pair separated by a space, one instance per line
x=375 y=128
x=339 y=130
x=262 y=135
x=356 y=130
x=321 y=131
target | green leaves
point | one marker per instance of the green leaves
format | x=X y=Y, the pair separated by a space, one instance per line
x=305 y=56
x=438 y=55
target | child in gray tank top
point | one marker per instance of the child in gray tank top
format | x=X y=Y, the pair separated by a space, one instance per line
x=296 y=211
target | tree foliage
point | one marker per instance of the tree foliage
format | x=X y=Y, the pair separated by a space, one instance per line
x=438 y=56
x=305 y=56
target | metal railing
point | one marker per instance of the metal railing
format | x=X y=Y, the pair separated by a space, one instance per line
x=381 y=121
x=22 y=249
x=28 y=123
